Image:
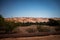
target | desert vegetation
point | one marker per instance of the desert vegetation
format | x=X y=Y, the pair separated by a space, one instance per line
x=43 y=29
x=6 y=27
x=11 y=26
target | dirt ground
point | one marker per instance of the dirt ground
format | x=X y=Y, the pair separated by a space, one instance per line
x=50 y=37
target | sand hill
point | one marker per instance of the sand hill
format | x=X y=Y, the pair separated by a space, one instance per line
x=29 y=19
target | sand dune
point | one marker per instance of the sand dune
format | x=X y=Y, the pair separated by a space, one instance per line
x=27 y=19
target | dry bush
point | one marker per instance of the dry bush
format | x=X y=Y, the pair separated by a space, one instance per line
x=43 y=29
x=31 y=30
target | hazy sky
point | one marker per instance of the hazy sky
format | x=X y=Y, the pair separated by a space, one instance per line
x=30 y=8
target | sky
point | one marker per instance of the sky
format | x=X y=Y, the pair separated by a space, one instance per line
x=30 y=8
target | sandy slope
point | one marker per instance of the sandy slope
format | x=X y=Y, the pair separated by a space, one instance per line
x=27 y=19
x=50 y=37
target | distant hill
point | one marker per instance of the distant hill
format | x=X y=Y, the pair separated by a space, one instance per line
x=29 y=19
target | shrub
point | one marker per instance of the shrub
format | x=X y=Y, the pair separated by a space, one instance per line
x=53 y=22
x=2 y=24
x=30 y=30
x=6 y=26
x=10 y=26
x=42 y=28
x=57 y=29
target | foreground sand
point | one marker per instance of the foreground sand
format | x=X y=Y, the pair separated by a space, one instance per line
x=50 y=37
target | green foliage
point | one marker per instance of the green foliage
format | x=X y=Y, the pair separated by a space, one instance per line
x=58 y=21
x=53 y=22
x=23 y=24
x=2 y=24
x=10 y=26
x=2 y=21
x=6 y=26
